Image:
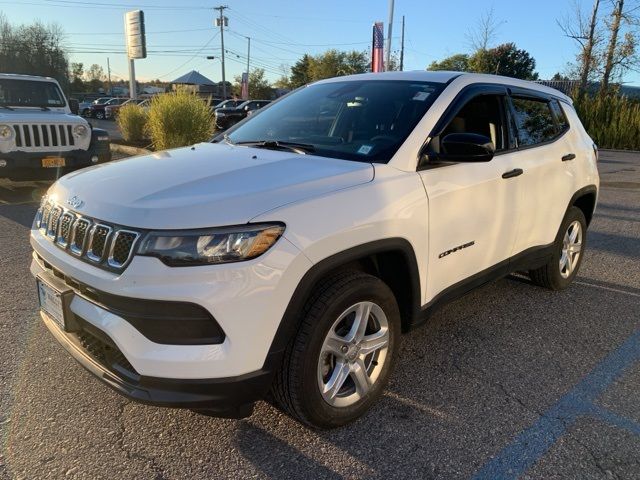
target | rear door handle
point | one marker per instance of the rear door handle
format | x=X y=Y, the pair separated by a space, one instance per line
x=568 y=156
x=513 y=173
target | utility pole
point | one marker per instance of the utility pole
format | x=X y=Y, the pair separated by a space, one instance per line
x=248 y=56
x=390 y=31
x=109 y=75
x=402 y=47
x=221 y=23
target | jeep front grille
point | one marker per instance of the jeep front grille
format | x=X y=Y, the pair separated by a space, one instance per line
x=104 y=245
x=41 y=137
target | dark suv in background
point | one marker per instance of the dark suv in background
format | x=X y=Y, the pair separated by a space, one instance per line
x=227 y=117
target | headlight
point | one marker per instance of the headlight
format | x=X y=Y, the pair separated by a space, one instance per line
x=6 y=132
x=212 y=246
x=80 y=130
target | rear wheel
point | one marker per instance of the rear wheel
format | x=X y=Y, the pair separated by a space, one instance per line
x=339 y=362
x=568 y=253
x=100 y=115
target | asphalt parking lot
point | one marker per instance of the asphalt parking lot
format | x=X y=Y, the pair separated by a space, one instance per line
x=510 y=381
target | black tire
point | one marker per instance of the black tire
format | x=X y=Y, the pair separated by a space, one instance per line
x=549 y=276
x=99 y=115
x=296 y=389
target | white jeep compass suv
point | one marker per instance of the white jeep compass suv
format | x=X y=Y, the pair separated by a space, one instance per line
x=287 y=256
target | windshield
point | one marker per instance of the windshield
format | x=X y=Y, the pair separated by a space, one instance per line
x=30 y=93
x=363 y=120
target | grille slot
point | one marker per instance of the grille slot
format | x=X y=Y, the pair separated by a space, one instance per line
x=52 y=224
x=79 y=235
x=98 y=238
x=122 y=247
x=64 y=234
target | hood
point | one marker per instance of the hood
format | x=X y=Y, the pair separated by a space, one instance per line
x=37 y=115
x=207 y=185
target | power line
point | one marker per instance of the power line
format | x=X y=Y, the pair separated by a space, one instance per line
x=194 y=56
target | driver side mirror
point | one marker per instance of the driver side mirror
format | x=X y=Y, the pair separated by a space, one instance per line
x=74 y=106
x=465 y=147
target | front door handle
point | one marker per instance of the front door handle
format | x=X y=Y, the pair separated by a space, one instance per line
x=568 y=156
x=513 y=173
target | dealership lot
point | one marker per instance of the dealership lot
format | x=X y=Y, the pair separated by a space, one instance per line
x=511 y=380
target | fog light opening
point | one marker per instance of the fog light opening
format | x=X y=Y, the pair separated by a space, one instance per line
x=94 y=159
x=3 y=163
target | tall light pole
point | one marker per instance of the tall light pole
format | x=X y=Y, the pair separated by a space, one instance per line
x=390 y=31
x=221 y=22
x=402 y=47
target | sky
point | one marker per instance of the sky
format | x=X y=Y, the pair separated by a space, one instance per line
x=180 y=34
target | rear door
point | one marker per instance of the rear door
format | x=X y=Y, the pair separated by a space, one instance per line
x=473 y=207
x=545 y=154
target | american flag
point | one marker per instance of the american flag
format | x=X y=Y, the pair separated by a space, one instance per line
x=377 y=63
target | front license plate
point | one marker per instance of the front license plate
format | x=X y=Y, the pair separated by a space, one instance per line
x=52 y=162
x=51 y=302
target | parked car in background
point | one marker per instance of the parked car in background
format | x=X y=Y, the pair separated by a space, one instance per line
x=40 y=138
x=111 y=110
x=84 y=107
x=97 y=110
x=228 y=104
x=227 y=117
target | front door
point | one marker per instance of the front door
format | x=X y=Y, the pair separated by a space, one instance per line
x=473 y=210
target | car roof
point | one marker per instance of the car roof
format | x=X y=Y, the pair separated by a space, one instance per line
x=18 y=76
x=448 y=76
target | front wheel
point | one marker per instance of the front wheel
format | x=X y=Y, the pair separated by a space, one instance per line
x=100 y=115
x=568 y=253
x=339 y=362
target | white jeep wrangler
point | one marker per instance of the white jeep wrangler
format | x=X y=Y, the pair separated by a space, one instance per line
x=40 y=138
x=288 y=255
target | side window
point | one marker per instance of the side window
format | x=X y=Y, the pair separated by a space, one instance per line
x=560 y=116
x=481 y=115
x=534 y=120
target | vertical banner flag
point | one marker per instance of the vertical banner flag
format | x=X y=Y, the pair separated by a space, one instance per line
x=377 y=48
x=245 y=86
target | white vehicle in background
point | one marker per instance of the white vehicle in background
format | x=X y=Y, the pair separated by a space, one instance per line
x=40 y=137
x=288 y=255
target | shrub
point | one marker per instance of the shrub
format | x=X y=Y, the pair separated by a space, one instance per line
x=612 y=121
x=132 y=120
x=178 y=119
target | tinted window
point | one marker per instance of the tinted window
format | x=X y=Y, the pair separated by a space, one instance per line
x=534 y=120
x=481 y=115
x=30 y=93
x=560 y=117
x=363 y=120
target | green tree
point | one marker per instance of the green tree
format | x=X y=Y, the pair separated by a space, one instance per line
x=34 y=49
x=95 y=77
x=455 y=63
x=301 y=72
x=505 y=59
x=259 y=87
x=77 y=72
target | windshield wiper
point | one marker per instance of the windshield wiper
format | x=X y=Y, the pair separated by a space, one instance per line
x=46 y=109
x=7 y=107
x=301 y=148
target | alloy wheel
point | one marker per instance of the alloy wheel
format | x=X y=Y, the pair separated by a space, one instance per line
x=571 y=249
x=353 y=354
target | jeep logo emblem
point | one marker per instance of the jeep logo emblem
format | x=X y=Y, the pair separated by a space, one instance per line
x=75 y=202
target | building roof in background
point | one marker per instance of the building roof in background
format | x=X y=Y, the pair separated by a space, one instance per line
x=193 y=78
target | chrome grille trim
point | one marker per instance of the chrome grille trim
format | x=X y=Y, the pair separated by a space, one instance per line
x=64 y=232
x=92 y=255
x=74 y=247
x=53 y=222
x=107 y=246
x=114 y=242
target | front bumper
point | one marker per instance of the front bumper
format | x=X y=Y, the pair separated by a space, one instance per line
x=247 y=300
x=22 y=165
